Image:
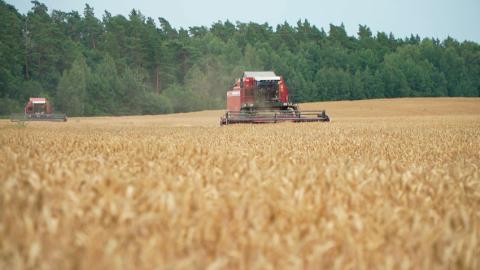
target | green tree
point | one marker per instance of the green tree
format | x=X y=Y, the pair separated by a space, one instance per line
x=156 y=104
x=12 y=51
x=91 y=28
x=103 y=88
x=252 y=59
x=8 y=106
x=71 y=94
x=48 y=51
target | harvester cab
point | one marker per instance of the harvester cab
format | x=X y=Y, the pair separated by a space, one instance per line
x=38 y=109
x=262 y=97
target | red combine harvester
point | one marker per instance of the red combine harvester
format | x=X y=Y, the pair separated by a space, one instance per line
x=262 y=97
x=38 y=109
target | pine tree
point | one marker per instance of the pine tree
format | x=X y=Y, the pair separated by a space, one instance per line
x=71 y=93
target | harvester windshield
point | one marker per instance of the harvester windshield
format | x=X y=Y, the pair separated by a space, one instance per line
x=267 y=91
x=39 y=108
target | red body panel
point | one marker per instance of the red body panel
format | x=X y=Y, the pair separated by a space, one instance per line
x=38 y=105
x=283 y=91
x=246 y=92
x=233 y=100
x=243 y=93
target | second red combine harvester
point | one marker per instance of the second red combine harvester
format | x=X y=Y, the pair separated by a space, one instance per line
x=262 y=97
x=38 y=109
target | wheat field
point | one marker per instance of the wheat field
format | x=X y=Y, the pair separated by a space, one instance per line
x=388 y=184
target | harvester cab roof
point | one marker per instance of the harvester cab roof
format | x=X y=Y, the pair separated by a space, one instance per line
x=38 y=100
x=261 y=75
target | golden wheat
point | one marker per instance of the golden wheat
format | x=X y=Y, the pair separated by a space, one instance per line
x=389 y=184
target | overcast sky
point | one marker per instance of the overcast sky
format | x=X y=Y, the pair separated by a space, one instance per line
x=428 y=18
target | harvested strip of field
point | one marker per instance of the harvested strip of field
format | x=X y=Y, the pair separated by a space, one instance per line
x=387 y=184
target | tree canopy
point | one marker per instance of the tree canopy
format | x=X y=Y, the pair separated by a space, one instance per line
x=136 y=65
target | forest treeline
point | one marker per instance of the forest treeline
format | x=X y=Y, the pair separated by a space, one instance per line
x=120 y=65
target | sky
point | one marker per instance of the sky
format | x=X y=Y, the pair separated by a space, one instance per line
x=459 y=19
